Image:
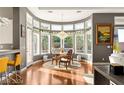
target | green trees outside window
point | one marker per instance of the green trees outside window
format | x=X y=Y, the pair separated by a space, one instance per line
x=55 y=42
x=44 y=44
x=79 y=43
x=68 y=42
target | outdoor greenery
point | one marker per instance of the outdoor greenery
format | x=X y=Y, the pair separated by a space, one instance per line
x=44 y=42
x=79 y=42
x=56 y=42
x=68 y=43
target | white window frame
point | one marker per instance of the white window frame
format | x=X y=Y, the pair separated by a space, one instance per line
x=36 y=23
x=76 y=43
x=88 y=33
x=38 y=43
x=77 y=25
x=45 y=34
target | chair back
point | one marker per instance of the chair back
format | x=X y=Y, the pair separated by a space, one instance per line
x=3 y=64
x=18 y=60
x=69 y=52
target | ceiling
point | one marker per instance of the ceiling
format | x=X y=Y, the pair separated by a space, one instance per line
x=68 y=14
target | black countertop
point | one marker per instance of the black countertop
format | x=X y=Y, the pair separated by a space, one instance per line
x=7 y=52
x=104 y=69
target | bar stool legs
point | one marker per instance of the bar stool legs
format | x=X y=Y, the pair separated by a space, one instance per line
x=1 y=79
x=5 y=81
x=18 y=77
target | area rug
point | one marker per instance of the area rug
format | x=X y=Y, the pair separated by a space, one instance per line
x=89 y=78
x=49 y=65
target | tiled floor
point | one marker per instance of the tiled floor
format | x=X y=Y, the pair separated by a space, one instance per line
x=37 y=74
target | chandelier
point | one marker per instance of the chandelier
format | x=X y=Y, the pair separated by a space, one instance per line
x=62 y=34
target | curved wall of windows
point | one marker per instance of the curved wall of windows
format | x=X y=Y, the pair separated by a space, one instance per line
x=46 y=39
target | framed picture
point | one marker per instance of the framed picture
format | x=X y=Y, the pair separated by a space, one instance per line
x=23 y=31
x=103 y=34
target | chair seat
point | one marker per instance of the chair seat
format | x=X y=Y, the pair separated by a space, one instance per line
x=63 y=59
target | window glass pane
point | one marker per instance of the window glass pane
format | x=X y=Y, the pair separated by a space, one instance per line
x=55 y=42
x=36 y=23
x=29 y=46
x=79 y=43
x=45 y=26
x=88 y=23
x=56 y=27
x=121 y=35
x=36 y=43
x=68 y=42
x=45 y=43
x=68 y=27
x=79 y=26
x=89 y=43
x=29 y=19
x=119 y=40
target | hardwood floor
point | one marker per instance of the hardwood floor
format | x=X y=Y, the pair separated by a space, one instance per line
x=38 y=75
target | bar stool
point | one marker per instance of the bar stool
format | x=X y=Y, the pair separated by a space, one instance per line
x=15 y=64
x=3 y=68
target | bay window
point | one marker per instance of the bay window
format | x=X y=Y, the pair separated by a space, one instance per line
x=79 y=26
x=89 y=42
x=45 y=26
x=45 y=43
x=79 y=43
x=56 y=27
x=68 y=27
x=56 y=42
x=36 y=43
x=68 y=42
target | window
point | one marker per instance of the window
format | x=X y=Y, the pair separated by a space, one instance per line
x=29 y=43
x=68 y=27
x=89 y=42
x=56 y=42
x=68 y=42
x=36 y=43
x=79 y=26
x=88 y=23
x=79 y=43
x=36 y=24
x=29 y=20
x=29 y=56
x=56 y=27
x=121 y=35
x=45 y=43
x=45 y=26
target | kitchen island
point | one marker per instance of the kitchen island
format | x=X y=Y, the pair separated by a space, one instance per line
x=9 y=52
x=103 y=76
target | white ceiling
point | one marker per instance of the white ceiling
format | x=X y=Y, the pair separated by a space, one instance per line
x=69 y=14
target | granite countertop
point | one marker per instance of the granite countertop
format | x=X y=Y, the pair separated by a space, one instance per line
x=6 y=52
x=105 y=71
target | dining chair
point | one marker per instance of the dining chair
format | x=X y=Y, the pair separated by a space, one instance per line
x=66 y=59
x=56 y=58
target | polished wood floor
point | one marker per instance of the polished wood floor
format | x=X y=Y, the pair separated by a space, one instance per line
x=38 y=75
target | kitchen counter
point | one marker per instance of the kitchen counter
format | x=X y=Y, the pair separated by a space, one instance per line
x=6 y=52
x=102 y=75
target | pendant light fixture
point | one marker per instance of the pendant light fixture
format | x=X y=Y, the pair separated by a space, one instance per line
x=62 y=34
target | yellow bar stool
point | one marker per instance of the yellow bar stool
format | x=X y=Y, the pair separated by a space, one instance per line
x=15 y=64
x=3 y=68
